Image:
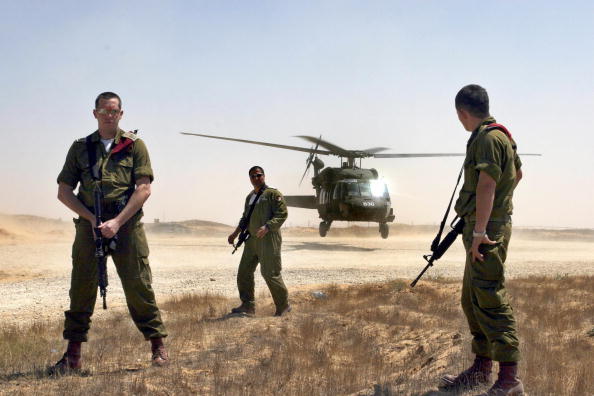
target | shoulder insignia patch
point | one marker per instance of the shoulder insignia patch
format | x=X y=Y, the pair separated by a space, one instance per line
x=131 y=135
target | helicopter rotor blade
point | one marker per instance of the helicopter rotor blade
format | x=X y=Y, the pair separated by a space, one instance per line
x=374 y=150
x=415 y=155
x=283 y=146
x=419 y=155
x=309 y=161
x=334 y=149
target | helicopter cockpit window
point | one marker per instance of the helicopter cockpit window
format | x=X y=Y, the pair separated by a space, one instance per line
x=352 y=189
x=365 y=189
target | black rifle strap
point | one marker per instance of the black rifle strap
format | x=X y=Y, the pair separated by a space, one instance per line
x=437 y=239
x=253 y=205
x=92 y=153
x=445 y=217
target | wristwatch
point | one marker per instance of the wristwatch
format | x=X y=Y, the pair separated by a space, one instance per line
x=476 y=234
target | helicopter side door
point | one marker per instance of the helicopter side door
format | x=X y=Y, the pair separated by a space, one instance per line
x=324 y=202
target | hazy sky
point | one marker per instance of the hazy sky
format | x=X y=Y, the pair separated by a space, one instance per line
x=361 y=73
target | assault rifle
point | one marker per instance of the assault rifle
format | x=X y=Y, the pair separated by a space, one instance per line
x=438 y=248
x=244 y=235
x=100 y=248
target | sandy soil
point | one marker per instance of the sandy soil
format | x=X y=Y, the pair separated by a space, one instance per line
x=35 y=262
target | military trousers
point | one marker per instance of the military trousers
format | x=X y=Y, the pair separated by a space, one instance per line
x=484 y=298
x=131 y=261
x=267 y=252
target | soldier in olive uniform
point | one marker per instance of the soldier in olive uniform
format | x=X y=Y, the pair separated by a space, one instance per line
x=124 y=174
x=491 y=173
x=263 y=246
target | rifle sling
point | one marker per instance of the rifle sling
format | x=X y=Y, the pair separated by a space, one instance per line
x=92 y=153
x=437 y=239
x=253 y=205
x=473 y=136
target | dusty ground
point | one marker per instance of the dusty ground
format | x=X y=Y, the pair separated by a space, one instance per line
x=378 y=332
x=35 y=261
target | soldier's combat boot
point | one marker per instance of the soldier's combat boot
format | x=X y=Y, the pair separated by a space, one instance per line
x=244 y=309
x=476 y=375
x=70 y=362
x=508 y=383
x=282 y=311
x=160 y=357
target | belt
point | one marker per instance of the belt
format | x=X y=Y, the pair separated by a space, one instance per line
x=108 y=208
x=502 y=218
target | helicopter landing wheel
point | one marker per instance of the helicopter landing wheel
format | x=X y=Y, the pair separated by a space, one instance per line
x=384 y=230
x=324 y=227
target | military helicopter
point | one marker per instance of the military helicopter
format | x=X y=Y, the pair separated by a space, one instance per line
x=348 y=193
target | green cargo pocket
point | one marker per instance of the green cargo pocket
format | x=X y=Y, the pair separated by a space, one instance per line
x=496 y=231
x=142 y=248
x=489 y=293
x=145 y=270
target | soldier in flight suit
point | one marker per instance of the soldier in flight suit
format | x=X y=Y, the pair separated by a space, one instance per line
x=125 y=178
x=491 y=173
x=263 y=246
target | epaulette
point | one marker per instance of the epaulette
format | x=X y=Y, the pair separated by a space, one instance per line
x=499 y=127
x=132 y=135
x=127 y=141
x=81 y=140
x=495 y=126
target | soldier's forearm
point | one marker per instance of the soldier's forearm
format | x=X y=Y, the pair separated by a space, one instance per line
x=138 y=198
x=67 y=197
x=485 y=194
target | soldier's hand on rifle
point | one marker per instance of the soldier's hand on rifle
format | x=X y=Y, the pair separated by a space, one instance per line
x=262 y=231
x=476 y=242
x=110 y=228
x=231 y=238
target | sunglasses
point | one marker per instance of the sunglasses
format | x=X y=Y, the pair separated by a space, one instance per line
x=112 y=112
x=256 y=175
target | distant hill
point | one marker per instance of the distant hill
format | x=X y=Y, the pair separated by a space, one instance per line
x=20 y=226
x=189 y=227
x=15 y=227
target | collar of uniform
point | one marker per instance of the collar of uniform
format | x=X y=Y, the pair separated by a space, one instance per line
x=264 y=187
x=95 y=137
x=118 y=136
x=486 y=121
x=480 y=127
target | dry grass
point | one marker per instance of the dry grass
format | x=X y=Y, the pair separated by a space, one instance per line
x=373 y=339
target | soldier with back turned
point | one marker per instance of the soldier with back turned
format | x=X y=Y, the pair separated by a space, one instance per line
x=492 y=170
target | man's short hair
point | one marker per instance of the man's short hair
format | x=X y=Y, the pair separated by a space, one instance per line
x=107 y=96
x=253 y=168
x=474 y=99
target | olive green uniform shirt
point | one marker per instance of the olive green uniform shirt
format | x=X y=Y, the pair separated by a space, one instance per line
x=493 y=152
x=270 y=210
x=118 y=172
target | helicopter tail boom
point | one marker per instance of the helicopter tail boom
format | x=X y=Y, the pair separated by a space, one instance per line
x=301 y=201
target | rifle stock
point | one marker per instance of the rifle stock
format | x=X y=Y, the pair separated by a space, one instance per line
x=439 y=249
